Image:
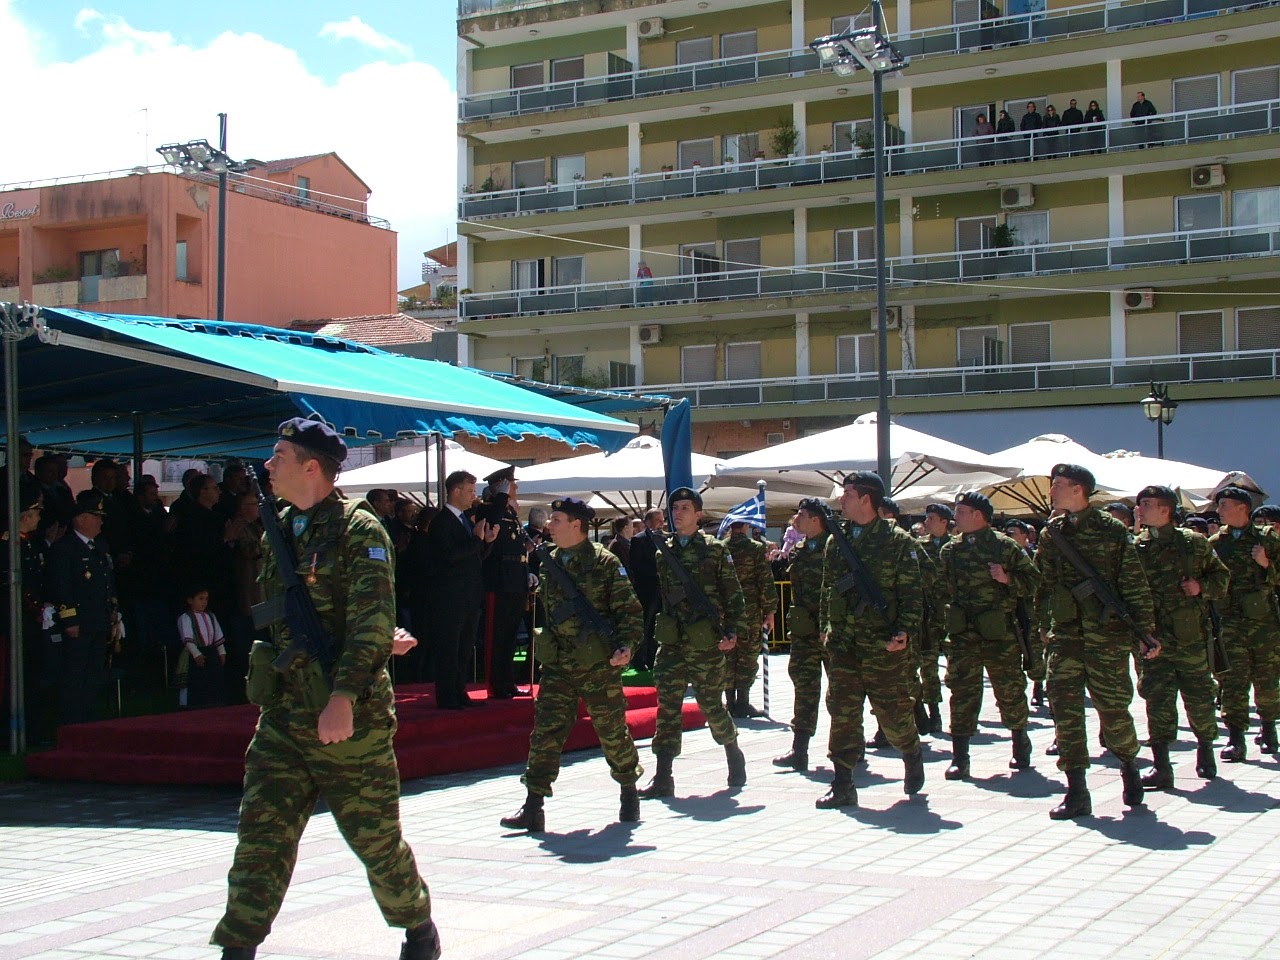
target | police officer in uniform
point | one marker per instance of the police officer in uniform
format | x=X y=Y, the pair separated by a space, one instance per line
x=506 y=576
x=578 y=663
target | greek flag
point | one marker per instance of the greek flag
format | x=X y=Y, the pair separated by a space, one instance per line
x=749 y=511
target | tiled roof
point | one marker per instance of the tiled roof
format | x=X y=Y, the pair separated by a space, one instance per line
x=386 y=329
x=445 y=255
x=288 y=163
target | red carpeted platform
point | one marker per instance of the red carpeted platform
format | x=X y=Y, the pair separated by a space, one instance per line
x=207 y=746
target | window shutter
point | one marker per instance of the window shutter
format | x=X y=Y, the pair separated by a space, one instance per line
x=742 y=361
x=741 y=254
x=972 y=345
x=1200 y=332
x=974 y=233
x=693 y=51
x=698 y=364
x=1258 y=328
x=1029 y=342
x=738 y=44
x=1195 y=93
x=696 y=151
x=1252 y=86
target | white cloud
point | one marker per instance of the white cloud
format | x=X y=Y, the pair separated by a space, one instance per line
x=359 y=31
x=392 y=123
x=86 y=17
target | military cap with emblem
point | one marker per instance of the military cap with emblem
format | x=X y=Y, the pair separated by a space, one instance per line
x=1156 y=491
x=1016 y=524
x=1121 y=512
x=505 y=474
x=1234 y=493
x=1198 y=524
x=941 y=509
x=314 y=435
x=814 y=506
x=686 y=493
x=574 y=509
x=1076 y=474
x=90 y=501
x=868 y=481
x=976 y=501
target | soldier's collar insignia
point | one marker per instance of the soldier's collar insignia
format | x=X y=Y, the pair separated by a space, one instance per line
x=300 y=524
x=1237 y=532
x=970 y=538
x=683 y=540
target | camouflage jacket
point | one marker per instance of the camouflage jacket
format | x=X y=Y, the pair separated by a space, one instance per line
x=345 y=558
x=604 y=582
x=711 y=566
x=892 y=558
x=966 y=577
x=929 y=553
x=1170 y=555
x=805 y=571
x=755 y=576
x=1106 y=544
x=1247 y=577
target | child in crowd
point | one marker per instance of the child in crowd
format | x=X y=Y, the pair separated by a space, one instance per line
x=203 y=653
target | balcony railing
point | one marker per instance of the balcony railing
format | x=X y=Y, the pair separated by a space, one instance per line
x=1154 y=250
x=480 y=8
x=1191 y=126
x=977 y=380
x=933 y=41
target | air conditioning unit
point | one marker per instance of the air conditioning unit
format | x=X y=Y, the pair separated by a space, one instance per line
x=651 y=334
x=892 y=316
x=1139 y=299
x=773 y=439
x=1017 y=196
x=1209 y=176
x=651 y=28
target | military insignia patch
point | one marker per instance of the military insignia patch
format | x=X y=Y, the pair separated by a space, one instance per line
x=299 y=524
x=378 y=553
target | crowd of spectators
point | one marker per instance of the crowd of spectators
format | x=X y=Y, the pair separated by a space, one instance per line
x=1044 y=135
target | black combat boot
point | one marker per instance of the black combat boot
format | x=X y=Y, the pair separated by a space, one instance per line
x=1206 y=765
x=1021 y=759
x=1237 y=749
x=842 y=793
x=1161 y=775
x=935 y=718
x=529 y=817
x=663 y=783
x=731 y=701
x=798 y=758
x=629 y=808
x=1268 y=736
x=1037 y=694
x=922 y=719
x=1132 y=780
x=913 y=772
x=745 y=710
x=879 y=741
x=1077 y=802
x=421 y=943
x=737 y=765
x=1052 y=749
x=239 y=953
x=959 y=769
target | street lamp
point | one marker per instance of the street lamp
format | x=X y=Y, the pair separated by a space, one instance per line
x=869 y=48
x=1159 y=408
x=199 y=156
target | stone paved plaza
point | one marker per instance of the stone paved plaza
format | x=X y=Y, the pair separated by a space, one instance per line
x=964 y=870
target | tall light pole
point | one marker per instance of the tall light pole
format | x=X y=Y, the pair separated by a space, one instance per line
x=1159 y=407
x=869 y=48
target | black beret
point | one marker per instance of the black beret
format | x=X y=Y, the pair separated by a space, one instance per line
x=574 y=509
x=1267 y=513
x=867 y=481
x=1157 y=492
x=314 y=435
x=1121 y=509
x=814 y=506
x=1234 y=493
x=941 y=509
x=891 y=505
x=976 y=501
x=1198 y=524
x=1076 y=474
x=90 y=501
x=506 y=473
x=1016 y=524
x=685 y=493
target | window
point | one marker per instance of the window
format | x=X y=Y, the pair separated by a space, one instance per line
x=1032 y=229
x=1200 y=332
x=974 y=233
x=971 y=11
x=742 y=361
x=526 y=75
x=978 y=347
x=738 y=44
x=1195 y=93
x=621 y=374
x=99 y=263
x=528 y=173
x=689 y=152
x=1029 y=342
x=741 y=254
x=304 y=188
x=531 y=368
x=857 y=22
x=1252 y=208
x=572 y=68
x=1017 y=108
x=698 y=364
x=694 y=51
x=965 y=119
x=740 y=147
x=569 y=370
x=1258 y=328
x=856 y=246
x=568 y=271
x=1252 y=86
x=180 y=260
x=1199 y=212
x=856 y=354
x=699 y=258
x=527 y=274
x=566 y=169
x=844 y=134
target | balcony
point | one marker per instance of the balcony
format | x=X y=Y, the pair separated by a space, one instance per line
x=1154 y=250
x=983 y=380
x=88 y=290
x=1114 y=136
x=933 y=41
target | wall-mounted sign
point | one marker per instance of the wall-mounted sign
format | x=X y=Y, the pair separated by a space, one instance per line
x=19 y=204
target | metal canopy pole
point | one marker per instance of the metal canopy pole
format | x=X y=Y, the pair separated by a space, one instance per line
x=15 y=325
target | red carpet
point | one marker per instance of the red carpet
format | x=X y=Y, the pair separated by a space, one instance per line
x=207 y=746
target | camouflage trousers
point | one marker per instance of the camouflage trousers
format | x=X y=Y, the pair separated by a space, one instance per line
x=1180 y=668
x=1100 y=664
x=556 y=711
x=864 y=671
x=742 y=663
x=674 y=670
x=1253 y=647
x=1035 y=665
x=809 y=657
x=969 y=655
x=286 y=770
x=930 y=682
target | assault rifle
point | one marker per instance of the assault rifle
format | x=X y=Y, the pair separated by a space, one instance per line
x=575 y=603
x=688 y=589
x=857 y=576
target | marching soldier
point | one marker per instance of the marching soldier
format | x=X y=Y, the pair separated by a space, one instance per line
x=809 y=657
x=937 y=521
x=870 y=609
x=1250 y=624
x=1020 y=532
x=760 y=594
x=1184 y=575
x=594 y=621
x=1087 y=645
x=984 y=574
x=702 y=616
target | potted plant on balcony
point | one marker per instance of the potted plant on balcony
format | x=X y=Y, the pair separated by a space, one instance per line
x=1003 y=238
x=864 y=140
x=826 y=148
x=667 y=170
x=784 y=139
x=758 y=155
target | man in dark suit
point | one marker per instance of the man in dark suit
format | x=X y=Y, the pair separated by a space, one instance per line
x=458 y=546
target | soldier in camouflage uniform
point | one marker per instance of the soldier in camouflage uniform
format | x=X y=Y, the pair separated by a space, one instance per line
x=870 y=649
x=578 y=663
x=1250 y=624
x=1019 y=531
x=937 y=520
x=809 y=657
x=760 y=594
x=691 y=643
x=984 y=574
x=1085 y=646
x=1184 y=575
x=325 y=736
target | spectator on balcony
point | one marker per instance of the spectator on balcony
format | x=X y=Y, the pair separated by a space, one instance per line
x=1072 y=117
x=1141 y=113
x=984 y=134
x=1051 y=123
x=1005 y=127
x=1094 y=113
x=1095 y=116
x=1030 y=125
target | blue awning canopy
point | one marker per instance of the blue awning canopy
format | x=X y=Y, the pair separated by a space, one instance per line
x=209 y=389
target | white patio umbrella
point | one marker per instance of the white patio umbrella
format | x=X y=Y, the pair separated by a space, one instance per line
x=1028 y=493
x=1132 y=471
x=409 y=473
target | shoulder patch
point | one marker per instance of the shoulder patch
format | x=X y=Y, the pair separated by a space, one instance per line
x=622 y=571
x=378 y=553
